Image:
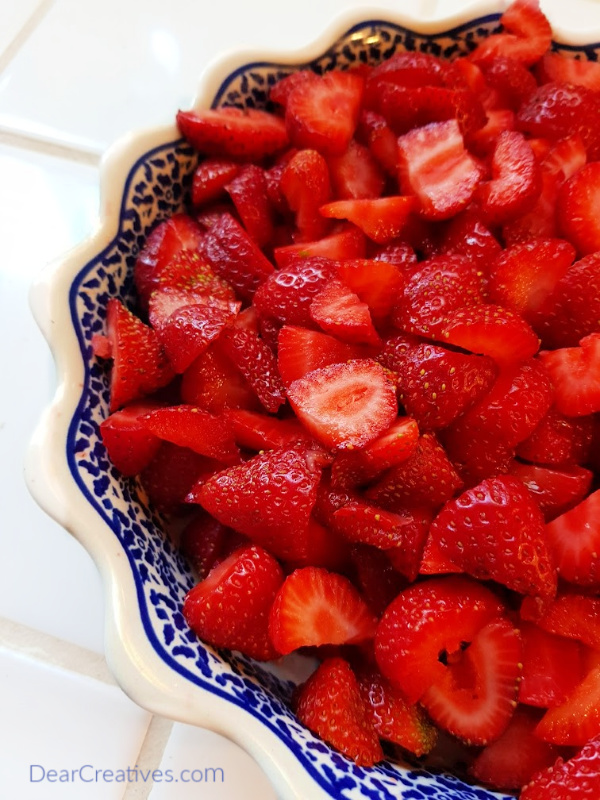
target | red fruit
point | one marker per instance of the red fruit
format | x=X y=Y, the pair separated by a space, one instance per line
x=340 y=312
x=576 y=720
x=491 y=330
x=323 y=113
x=377 y=283
x=281 y=90
x=434 y=165
x=315 y=607
x=499 y=121
x=510 y=79
x=205 y=542
x=425 y=478
x=171 y=474
x=230 y=608
x=381 y=219
x=269 y=498
x=526 y=36
x=347 y=242
x=287 y=294
x=168 y=300
x=210 y=179
x=129 y=444
x=410 y=69
x=306 y=185
x=575 y=616
x=362 y=523
x=233 y=132
x=345 y=405
x=559 y=68
x=575 y=779
x=575 y=375
x=376 y=578
x=559 y=440
x=516 y=180
x=555 y=490
x=214 y=383
x=139 y=366
x=475 y=699
x=393 y=718
x=330 y=705
x=235 y=256
x=574 y=540
x=190 y=426
x=188 y=332
x=428 y=619
x=248 y=190
x=578 y=209
x=188 y=272
x=258 y=431
x=301 y=350
x=257 y=363
x=355 y=174
x=374 y=131
x=466 y=235
x=495 y=531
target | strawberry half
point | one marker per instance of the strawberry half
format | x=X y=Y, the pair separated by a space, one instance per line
x=306 y=185
x=576 y=720
x=575 y=375
x=190 y=426
x=559 y=68
x=381 y=219
x=574 y=540
x=526 y=37
x=339 y=311
x=210 y=179
x=575 y=616
x=300 y=350
x=257 y=363
x=577 y=778
x=316 y=607
x=578 y=209
x=555 y=490
x=129 y=444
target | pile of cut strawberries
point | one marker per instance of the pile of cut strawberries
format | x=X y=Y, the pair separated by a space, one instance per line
x=364 y=375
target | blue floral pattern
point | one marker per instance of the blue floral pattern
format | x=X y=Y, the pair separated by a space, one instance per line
x=157 y=186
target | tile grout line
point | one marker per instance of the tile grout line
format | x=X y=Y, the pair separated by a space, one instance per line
x=24 y=33
x=48 y=147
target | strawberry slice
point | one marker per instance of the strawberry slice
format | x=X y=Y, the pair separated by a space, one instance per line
x=475 y=699
x=435 y=166
x=301 y=350
x=555 y=490
x=374 y=132
x=516 y=180
x=575 y=616
x=139 y=366
x=171 y=474
x=355 y=174
x=360 y=522
x=510 y=79
x=381 y=219
x=129 y=444
x=377 y=580
x=187 y=271
x=578 y=209
x=286 y=295
x=306 y=185
x=322 y=113
x=205 y=542
x=422 y=630
x=377 y=282
x=559 y=440
x=467 y=235
x=410 y=69
x=210 y=179
x=188 y=332
x=559 y=68
x=230 y=607
x=257 y=363
x=248 y=190
x=245 y=133
x=495 y=531
x=575 y=375
x=576 y=778
x=574 y=540
x=330 y=705
x=576 y=720
x=258 y=431
x=345 y=405
x=346 y=242
x=526 y=37
x=341 y=313
x=214 y=383
x=315 y=607
x=168 y=300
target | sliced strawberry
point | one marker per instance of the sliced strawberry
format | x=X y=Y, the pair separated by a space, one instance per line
x=362 y=523
x=499 y=121
x=171 y=474
x=205 y=542
x=315 y=607
x=378 y=284
x=248 y=190
x=340 y=312
x=574 y=540
x=214 y=383
x=578 y=208
x=526 y=36
x=576 y=720
x=555 y=490
x=230 y=608
x=323 y=113
x=187 y=271
x=347 y=242
x=188 y=332
x=559 y=440
x=540 y=222
x=301 y=350
x=496 y=531
x=433 y=561
x=345 y=405
x=306 y=185
x=516 y=179
x=258 y=431
x=578 y=778
x=434 y=165
x=374 y=132
x=509 y=762
x=269 y=498
x=330 y=705
x=210 y=179
x=491 y=330
x=410 y=69
x=427 y=620
x=574 y=616
x=560 y=68
x=166 y=301
x=257 y=363
x=575 y=375
x=400 y=254
x=393 y=718
x=376 y=578
x=355 y=174
x=425 y=478
x=510 y=79
x=287 y=294
x=381 y=219
x=139 y=366
x=234 y=256
x=233 y=132
x=467 y=235
x=129 y=444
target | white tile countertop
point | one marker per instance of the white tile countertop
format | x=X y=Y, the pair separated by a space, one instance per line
x=74 y=76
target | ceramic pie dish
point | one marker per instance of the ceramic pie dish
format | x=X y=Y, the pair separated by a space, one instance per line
x=157 y=660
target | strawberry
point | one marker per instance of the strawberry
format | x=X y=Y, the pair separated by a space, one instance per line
x=205 y=542
x=230 y=607
x=435 y=166
x=526 y=36
x=410 y=69
x=129 y=444
x=235 y=256
x=170 y=475
x=323 y=113
x=540 y=222
x=575 y=616
x=425 y=478
x=516 y=180
x=575 y=375
x=345 y=405
x=560 y=68
x=575 y=779
x=467 y=235
x=301 y=350
x=315 y=607
x=381 y=219
x=578 y=204
x=400 y=254
x=346 y=242
x=248 y=190
x=257 y=363
x=168 y=300
x=499 y=120
x=393 y=718
x=340 y=312
x=375 y=133
x=246 y=133
x=214 y=383
x=258 y=431
x=355 y=174
x=576 y=720
x=510 y=79
x=139 y=366
x=306 y=185
x=268 y=498
x=427 y=620
x=192 y=427
x=210 y=179
x=360 y=522
x=574 y=540
x=510 y=761
x=330 y=705
x=556 y=490
x=287 y=294
x=376 y=281
x=188 y=332
x=559 y=440
x=495 y=531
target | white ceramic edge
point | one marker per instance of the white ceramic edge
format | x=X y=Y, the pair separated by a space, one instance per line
x=138 y=669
